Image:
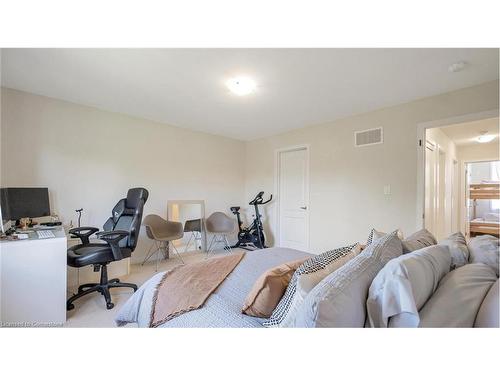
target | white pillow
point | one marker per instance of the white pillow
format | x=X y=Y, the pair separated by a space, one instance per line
x=458 y=297
x=339 y=300
x=489 y=314
x=458 y=249
x=485 y=249
x=404 y=285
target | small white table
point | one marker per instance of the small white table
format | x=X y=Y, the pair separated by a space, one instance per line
x=33 y=281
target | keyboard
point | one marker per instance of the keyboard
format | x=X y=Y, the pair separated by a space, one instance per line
x=45 y=234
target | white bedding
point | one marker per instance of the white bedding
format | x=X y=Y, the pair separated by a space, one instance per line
x=223 y=307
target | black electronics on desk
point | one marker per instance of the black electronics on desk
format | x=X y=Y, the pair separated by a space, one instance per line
x=18 y=203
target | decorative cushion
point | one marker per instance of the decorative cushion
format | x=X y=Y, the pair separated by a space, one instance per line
x=458 y=297
x=339 y=300
x=269 y=288
x=485 y=249
x=307 y=281
x=405 y=284
x=488 y=314
x=458 y=249
x=375 y=235
x=418 y=240
x=284 y=314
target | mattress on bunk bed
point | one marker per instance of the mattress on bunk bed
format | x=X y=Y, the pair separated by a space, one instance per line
x=482 y=220
x=485 y=225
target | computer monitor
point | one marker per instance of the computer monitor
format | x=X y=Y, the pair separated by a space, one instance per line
x=24 y=202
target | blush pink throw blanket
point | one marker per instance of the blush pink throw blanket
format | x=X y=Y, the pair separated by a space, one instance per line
x=187 y=287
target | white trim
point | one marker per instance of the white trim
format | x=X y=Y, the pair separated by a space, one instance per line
x=277 y=153
x=421 y=128
x=201 y=202
x=367 y=130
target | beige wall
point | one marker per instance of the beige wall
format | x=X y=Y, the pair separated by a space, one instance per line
x=89 y=158
x=478 y=152
x=346 y=183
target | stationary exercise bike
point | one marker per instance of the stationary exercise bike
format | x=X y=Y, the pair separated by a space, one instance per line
x=251 y=237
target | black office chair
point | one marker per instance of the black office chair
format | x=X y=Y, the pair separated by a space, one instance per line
x=121 y=232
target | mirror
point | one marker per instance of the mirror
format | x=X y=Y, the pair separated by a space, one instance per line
x=191 y=213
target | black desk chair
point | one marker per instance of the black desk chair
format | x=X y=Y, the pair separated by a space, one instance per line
x=121 y=232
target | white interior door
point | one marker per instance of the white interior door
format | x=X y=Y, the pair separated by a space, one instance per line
x=455 y=203
x=430 y=186
x=293 y=180
x=441 y=218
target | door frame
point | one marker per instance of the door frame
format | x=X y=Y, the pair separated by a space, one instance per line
x=277 y=173
x=421 y=128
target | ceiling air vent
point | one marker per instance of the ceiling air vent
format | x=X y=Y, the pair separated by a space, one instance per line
x=368 y=137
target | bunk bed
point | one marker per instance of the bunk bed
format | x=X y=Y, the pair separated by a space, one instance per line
x=489 y=223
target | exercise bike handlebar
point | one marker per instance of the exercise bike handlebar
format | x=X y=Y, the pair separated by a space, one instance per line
x=269 y=200
x=258 y=199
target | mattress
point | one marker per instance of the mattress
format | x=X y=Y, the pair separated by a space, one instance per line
x=481 y=220
x=223 y=307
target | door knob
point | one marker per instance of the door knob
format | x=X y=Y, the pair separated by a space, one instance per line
x=303 y=208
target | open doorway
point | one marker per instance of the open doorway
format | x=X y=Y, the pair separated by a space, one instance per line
x=460 y=162
x=483 y=203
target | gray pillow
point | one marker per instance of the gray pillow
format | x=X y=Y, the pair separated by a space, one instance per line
x=485 y=249
x=458 y=249
x=418 y=240
x=284 y=313
x=375 y=235
x=458 y=297
x=404 y=285
x=339 y=300
x=488 y=314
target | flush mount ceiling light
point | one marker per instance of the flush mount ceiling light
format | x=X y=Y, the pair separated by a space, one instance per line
x=241 y=85
x=457 y=67
x=485 y=138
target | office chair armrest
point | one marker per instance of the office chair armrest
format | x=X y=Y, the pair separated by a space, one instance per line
x=87 y=232
x=112 y=237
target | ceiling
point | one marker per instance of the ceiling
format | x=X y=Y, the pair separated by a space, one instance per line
x=295 y=87
x=467 y=132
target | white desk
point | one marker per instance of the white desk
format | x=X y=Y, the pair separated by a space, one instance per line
x=33 y=281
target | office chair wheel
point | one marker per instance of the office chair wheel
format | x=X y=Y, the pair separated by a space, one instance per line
x=110 y=305
x=70 y=307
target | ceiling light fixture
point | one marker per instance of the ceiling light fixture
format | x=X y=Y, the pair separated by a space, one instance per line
x=485 y=138
x=241 y=85
x=457 y=67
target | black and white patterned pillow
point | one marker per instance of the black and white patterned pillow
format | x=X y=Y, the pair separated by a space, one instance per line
x=370 y=237
x=314 y=264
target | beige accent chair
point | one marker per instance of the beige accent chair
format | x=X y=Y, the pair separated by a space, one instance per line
x=163 y=233
x=220 y=225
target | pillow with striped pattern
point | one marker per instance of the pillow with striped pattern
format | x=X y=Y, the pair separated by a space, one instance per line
x=375 y=235
x=284 y=314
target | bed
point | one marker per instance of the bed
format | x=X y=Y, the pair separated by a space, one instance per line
x=489 y=224
x=483 y=226
x=223 y=307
